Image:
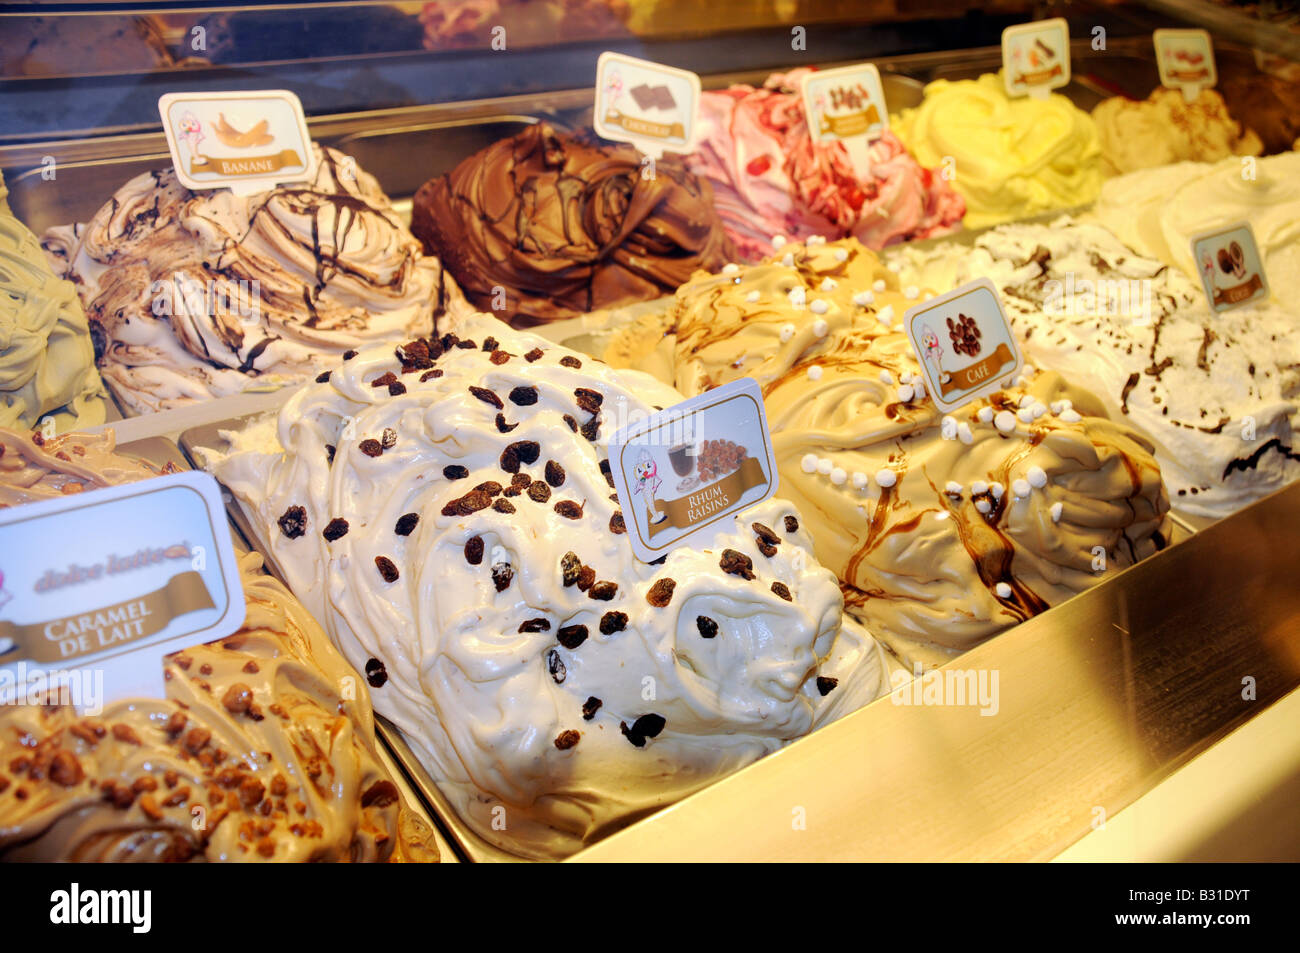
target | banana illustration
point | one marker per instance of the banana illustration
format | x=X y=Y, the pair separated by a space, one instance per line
x=230 y=136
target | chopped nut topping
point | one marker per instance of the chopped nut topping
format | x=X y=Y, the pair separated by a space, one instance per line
x=237 y=698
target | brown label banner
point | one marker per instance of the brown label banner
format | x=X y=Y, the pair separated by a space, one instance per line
x=646 y=127
x=851 y=124
x=698 y=507
x=1038 y=77
x=979 y=372
x=1189 y=75
x=1238 y=293
x=252 y=165
x=87 y=633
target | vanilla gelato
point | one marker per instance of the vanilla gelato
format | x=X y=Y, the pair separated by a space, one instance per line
x=446 y=514
x=206 y=294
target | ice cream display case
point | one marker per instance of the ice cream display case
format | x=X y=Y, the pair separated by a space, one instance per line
x=1014 y=625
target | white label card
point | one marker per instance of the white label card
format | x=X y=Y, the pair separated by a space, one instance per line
x=964 y=344
x=847 y=105
x=652 y=106
x=1036 y=57
x=1186 y=60
x=247 y=142
x=1232 y=271
x=683 y=471
x=96 y=587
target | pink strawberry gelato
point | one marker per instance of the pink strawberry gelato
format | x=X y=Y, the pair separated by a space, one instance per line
x=770 y=178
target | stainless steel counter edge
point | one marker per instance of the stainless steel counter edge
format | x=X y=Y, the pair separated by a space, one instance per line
x=1096 y=701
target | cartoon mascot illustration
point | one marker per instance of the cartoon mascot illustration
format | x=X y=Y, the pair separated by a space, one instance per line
x=646 y=474
x=931 y=352
x=190 y=132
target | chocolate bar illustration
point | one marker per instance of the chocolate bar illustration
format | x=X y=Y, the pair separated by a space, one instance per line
x=1047 y=51
x=653 y=97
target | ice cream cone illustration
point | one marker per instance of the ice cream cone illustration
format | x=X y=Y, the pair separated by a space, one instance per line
x=647 y=483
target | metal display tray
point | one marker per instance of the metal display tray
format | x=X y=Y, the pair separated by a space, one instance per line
x=160 y=451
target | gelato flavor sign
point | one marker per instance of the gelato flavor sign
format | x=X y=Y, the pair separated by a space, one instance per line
x=1036 y=57
x=247 y=142
x=681 y=471
x=845 y=103
x=1232 y=273
x=651 y=106
x=1186 y=60
x=964 y=344
x=112 y=580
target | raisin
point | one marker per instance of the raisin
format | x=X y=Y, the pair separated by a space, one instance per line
x=490 y=343
x=569 y=509
x=383 y=381
x=616 y=524
x=498 y=357
x=386 y=568
x=555 y=665
x=591 y=429
x=571 y=636
x=535 y=625
x=539 y=492
x=603 y=591
x=766 y=549
x=376 y=673
x=349 y=355
x=294 y=522
x=502 y=426
x=502 y=573
x=572 y=422
x=612 y=622
x=466 y=345
x=570 y=567
x=554 y=474
x=782 y=590
x=406 y=524
x=526 y=450
x=605 y=471
x=371 y=447
x=825 y=684
x=590 y=707
x=570 y=361
x=736 y=563
x=524 y=396
x=396 y=389
x=487 y=396
x=389 y=439
x=455 y=472
x=661 y=593
x=503 y=506
x=765 y=534
x=474 y=550
x=649 y=725
x=490 y=487
x=336 y=529
x=330 y=450
x=431 y=375
x=586 y=578
x=520 y=481
x=533 y=355
x=567 y=739
x=588 y=399
x=323 y=377
x=791 y=524
x=708 y=628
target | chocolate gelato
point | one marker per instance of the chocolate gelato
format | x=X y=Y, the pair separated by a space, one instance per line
x=543 y=226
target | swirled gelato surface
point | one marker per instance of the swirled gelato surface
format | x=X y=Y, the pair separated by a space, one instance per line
x=944 y=530
x=1158 y=211
x=47 y=360
x=1011 y=157
x=263 y=749
x=544 y=226
x=1218 y=394
x=206 y=294
x=461 y=542
x=770 y=177
x=1166 y=128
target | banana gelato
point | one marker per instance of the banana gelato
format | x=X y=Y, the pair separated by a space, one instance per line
x=1166 y=128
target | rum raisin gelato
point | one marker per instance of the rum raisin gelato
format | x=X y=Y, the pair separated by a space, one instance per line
x=543 y=226
x=461 y=540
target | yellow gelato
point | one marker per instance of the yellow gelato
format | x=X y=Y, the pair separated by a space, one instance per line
x=1166 y=128
x=1009 y=157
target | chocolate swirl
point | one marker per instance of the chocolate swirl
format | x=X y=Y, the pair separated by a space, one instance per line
x=204 y=294
x=565 y=227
